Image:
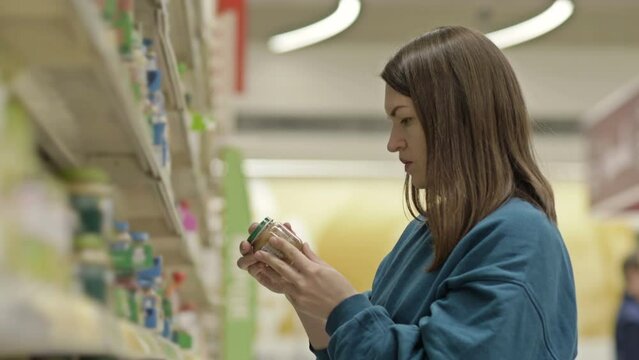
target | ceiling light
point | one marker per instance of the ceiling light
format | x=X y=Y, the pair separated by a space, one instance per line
x=344 y=16
x=534 y=27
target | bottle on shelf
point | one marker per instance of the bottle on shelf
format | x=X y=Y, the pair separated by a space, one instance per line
x=109 y=11
x=186 y=327
x=160 y=139
x=159 y=123
x=190 y=224
x=142 y=254
x=91 y=197
x=124 y=24
x=149 y=306
x=93 y=267
x=122 y=239
x=121 y=251
x=122 y=260
x=167 y=308
x=171 y=301
x=150 y=281
x=136 y=62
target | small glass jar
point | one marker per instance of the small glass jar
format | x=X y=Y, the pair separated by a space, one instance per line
x=92 y=198
x=268 y=228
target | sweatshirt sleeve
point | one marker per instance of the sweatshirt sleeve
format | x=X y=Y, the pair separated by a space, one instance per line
x=322 y=354
x=483 y=319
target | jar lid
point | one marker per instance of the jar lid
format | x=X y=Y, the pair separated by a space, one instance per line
x=259 y=229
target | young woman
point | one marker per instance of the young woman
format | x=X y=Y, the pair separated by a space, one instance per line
x=482 y=271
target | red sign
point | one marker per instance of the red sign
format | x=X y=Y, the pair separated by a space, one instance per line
x=613 y=136
x=239 y=7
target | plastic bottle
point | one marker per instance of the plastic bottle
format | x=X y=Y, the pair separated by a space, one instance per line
x=122 y=239
x=186 y=328
x=151 y=306
x=142 y=254
x=121 y=253
x=189 y=221
x=124 y=25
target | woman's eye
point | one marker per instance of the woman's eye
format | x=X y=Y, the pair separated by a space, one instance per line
x=405 y=121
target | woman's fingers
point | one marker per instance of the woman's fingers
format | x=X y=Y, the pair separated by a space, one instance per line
x=256 y=269
x=252 y=227
x=245 y=261
x=288 y=226
x=306 y=249
x=245 y=248
x=271 y=280
x=272 y=276
x=294 y=257
x=279 y=266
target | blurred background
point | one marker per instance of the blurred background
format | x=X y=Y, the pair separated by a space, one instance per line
x=219 y=131
x=316 y=114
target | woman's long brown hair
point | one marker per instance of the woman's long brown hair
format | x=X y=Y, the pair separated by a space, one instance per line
x=478 y=133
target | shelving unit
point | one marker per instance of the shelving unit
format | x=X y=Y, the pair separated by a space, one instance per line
x=187 y=168
x=46 y=320
x=71 y=80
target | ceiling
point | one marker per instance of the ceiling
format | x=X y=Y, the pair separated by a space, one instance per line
x=563 y=74
x=609 y=22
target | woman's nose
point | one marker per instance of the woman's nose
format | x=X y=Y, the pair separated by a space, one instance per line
x=395 y=143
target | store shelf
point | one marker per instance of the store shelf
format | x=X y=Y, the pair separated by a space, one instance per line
x=183 y=31
x=38 y=319
x=172 y=25
x=185 y=36
x=73 y=84
x=85 y=109
x=155 y=16
x=188 y=182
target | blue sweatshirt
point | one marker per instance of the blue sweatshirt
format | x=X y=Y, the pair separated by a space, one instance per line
x=505 y=292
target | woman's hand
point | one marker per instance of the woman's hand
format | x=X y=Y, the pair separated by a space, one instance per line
x=312 y=286
x=259 y=270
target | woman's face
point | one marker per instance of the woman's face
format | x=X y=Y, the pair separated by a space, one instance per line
x=406 y=137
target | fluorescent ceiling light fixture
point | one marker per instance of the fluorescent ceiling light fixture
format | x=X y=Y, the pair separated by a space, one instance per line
x=344 y=16
x=534 y=27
